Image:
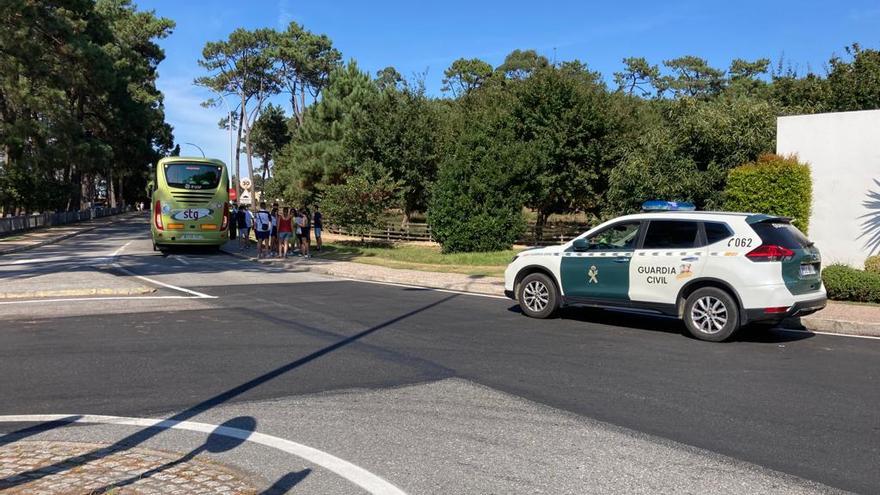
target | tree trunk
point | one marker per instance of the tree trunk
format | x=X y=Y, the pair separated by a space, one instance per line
x=539 y=226
x=238 y=149
x=111 y=189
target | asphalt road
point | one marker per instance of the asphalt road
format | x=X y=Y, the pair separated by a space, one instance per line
x=805 y=405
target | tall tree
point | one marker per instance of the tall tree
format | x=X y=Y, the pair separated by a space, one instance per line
x=316 y=157
x=638 y=77
x=563 y=121
x=242 y=66
x=304 y=61
x=855 y=84
x=465 y=75
x=270 y=134
x=520 y=64
x=692 y=77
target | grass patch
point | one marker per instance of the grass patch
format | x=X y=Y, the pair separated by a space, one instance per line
x=419 y=257
x=11 y=238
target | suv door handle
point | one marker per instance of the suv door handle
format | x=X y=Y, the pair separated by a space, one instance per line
x=690 y=258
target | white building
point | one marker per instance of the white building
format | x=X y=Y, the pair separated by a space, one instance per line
x=843 y=151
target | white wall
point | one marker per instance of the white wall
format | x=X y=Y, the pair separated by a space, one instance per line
x=843 y=151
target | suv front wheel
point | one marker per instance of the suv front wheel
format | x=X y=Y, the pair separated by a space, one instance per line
x=538 y=296
x=711 y=314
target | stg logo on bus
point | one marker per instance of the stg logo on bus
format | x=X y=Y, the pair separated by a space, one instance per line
x=192 y=214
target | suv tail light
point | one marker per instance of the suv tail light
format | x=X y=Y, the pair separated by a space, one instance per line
x=225 y=222
x=157 y=215
x=770 y=252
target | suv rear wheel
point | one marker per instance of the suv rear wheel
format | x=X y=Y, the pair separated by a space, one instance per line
x=711 y=314
x=538 y=296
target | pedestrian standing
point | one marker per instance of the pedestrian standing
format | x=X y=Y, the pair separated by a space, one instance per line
x=273 y=235
x=233 y=221
x=318 y=220
x=297 y=225
x=306 y=232
x=285 y=231
x=262 y=229
x=245 y=222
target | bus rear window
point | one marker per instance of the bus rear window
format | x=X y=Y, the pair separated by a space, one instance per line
x=192 y=176
x=781 y=234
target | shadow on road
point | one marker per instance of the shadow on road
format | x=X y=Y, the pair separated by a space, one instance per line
x=665 y=324
x=145 y=434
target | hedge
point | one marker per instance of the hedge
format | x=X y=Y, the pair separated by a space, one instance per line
x=845 y=283
x=774 y=185
x=872 y=264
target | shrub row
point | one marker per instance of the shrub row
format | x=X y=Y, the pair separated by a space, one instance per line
x=845 y=283
x=775 y=185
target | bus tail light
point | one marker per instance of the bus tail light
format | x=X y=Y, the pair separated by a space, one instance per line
x=770 y=252
x=225 y=222
x=157 y=215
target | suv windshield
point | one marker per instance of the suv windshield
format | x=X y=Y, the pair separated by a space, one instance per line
x=781 y=234
x=192 y=175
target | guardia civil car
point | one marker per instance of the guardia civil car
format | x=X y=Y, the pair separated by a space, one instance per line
x=717 y=271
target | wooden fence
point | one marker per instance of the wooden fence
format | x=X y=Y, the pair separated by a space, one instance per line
x=553 y=233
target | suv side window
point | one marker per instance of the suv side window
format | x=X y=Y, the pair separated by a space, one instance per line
x=618 y=237
x=671 y=234
x=716 y=232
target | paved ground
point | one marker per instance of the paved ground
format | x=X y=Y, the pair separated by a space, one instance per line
x=431 y=392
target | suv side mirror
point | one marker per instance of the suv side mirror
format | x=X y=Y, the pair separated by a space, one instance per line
x=580 y=244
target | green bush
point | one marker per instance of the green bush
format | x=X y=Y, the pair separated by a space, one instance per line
x=845 y=283
x=872 y=264
x=774 y=185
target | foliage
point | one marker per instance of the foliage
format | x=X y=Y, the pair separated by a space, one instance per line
x=303 y=62
x=561 y=124
x=773 y=185
x=845 y=283
x=477 y=200
x=316 y=158
x=397 y=135
x=269 y=134
x=465 y=75
x=358 y=203
x=78 y=101
x=520 y=64
x=685 y=148
x=872 y=264
x=855 y=85
x=637 y=77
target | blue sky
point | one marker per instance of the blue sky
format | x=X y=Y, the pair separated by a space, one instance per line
x=417 y=38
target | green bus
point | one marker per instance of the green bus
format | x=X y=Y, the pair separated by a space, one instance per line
x=190 y=203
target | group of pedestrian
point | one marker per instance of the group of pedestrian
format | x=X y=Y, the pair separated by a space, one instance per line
x=279 y=232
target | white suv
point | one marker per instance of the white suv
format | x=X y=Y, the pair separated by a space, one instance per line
x=715 y=270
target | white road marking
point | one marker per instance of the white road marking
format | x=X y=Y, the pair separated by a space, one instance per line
x=107 y=298
x=181 y=259
x=163 y=284
x=116 y=253
x=355 y=474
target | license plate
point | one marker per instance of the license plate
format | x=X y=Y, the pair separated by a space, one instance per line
x=191 y=237
x=808 y=270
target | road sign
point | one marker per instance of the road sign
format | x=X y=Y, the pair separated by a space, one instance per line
x=245 y=183
x=245 y=198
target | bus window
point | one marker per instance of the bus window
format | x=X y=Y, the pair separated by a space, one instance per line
x=192 y=176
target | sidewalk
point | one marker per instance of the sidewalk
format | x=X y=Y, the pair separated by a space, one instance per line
x=837 y=317
x=50 y=235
